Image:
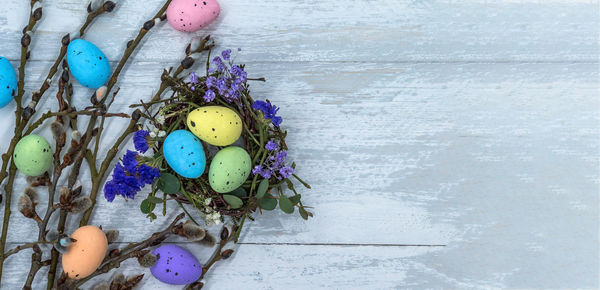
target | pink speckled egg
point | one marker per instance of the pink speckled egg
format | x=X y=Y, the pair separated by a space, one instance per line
x=192 y=15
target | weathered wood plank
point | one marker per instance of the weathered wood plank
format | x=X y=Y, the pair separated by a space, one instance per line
x=384 y=31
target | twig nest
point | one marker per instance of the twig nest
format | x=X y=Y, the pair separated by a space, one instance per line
x=175 y=265
x=215 y=125
x=192 y=15
x=184 y=153
x=229 y=169
x=88 y=64
x=33 y=155
x=8 y=82
x=85 y=254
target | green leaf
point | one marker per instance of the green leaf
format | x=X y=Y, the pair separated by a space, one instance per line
x=268 y=202
x=295 y=199
x=303 y=213
x=233 y=201
x=285 y=204
x=146 y=206
x=152 y=216
x=154 y=199
x=168 y=183
x=239 y=192
x=262 y=188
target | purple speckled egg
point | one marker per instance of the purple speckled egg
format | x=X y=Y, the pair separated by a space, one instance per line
x=175 y=265
x=192 y=15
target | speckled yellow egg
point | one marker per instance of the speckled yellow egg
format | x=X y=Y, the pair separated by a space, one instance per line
x=85 y=255
x=229 y=169
x=33 y=155
x=215 y=125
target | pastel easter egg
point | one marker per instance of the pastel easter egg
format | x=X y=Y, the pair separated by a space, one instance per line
x=33 y=155
x=229 y=169
x=175 y=265
x=88 y=64
x=85 y=255
x=184 y=153
x=8 y=82
x=192 y=15
x=215 y=125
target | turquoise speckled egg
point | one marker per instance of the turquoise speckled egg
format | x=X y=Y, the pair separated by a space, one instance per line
x=184 y=153
x=229 y=169
x=88 y=65
x=33 y=155
x=8 y=82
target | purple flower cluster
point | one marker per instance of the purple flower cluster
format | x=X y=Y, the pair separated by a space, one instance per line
x=129 y=177
x=193 y=81
x=269 y=111
x=139 y=141
x=227 y=79
x=274 y=165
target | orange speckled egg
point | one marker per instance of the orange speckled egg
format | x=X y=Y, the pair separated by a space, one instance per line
x=85 y=255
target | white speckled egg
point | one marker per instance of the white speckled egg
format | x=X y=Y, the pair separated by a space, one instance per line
x=88 y=64
x=8 y=82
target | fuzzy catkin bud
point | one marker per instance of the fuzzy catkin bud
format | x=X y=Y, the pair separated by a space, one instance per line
x=25 y=40
x=148 y=260
x=119 y=278
x=226 y=254
x=32 y=194
x=24 y=205
x=109 y=6
x=187 y=62
x=57 y=129
x=208 y=240
x=101 y=286
x=27 y=113
x=224 y=233
x=37 y=11
x=111 y=236
x=148 y=24
x=193 y=232
x=196 y=285
x=64 y=193
x=136 y=115
x=81 y=204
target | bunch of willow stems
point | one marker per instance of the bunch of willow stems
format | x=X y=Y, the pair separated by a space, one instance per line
x=73 y=148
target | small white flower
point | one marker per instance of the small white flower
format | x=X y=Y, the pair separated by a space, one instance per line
x=160 y=119
x=152 y=134
x=207 y=201
x=162 y=133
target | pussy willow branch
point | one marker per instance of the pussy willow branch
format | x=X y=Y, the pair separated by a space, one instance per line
x=51 y=114
x=25 y=41
x=97 y=178
x=20 y=125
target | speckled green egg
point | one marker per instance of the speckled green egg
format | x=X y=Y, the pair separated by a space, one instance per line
x=229 y=169
x=33 y=155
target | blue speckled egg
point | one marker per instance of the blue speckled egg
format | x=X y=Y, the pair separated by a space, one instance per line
x=175 y=265
x=88 y=65
x=8 y=82
x=184 y=153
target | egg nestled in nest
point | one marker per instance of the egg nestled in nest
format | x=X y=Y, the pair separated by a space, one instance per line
x=184 y=153
x=215 y=125
x=229 y=169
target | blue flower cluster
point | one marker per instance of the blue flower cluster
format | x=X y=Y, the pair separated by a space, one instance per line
x=269 y=111
x=226 y=79
x=274 y=165
x=129 y=176
x=139 y=141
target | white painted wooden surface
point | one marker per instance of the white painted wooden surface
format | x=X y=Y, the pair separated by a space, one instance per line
x=450 y=144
